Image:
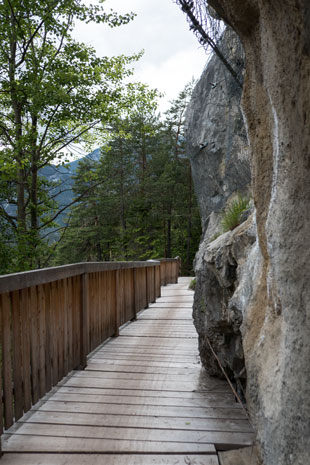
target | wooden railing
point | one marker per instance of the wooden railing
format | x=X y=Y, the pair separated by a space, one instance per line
x=169 y=270
x=52 y=319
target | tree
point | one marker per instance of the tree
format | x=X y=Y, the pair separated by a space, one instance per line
x=137 y=201
x=53 y=91
x=208 y=26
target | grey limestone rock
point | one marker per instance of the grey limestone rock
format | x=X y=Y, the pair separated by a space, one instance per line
x=276 y=318
x=218 y=148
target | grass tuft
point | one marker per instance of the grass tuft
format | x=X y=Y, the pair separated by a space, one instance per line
x=232 y=215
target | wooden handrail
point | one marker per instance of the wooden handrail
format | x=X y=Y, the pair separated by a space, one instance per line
x=15 y=281
x=51 y=319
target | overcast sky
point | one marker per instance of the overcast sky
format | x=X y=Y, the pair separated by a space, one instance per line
x=172 y=53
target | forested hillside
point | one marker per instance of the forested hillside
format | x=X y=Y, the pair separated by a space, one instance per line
x=137 y=200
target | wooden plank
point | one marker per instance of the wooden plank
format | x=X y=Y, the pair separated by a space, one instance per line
x=161 y=331
x=152 y=341
x=147 y=287
x=60 y=333
x=135 y=375
x=145 y=349
x=175 y=397
x=144 y=410
x=101 y=308
x=24 y=293
x=135 y=294
x=130 y=434
x=148 y=422
x=183 y=405
x=6 y=360
x=70 y=324
x=155 y=325
x=120 y=391
x=175 y=298
x=107 y=459
x=155 y=351
x=84 y=322
x=145 y=384
x=195 y=377
x=117 y=304
x=42 y=340
x=124 y=368
x=76 y=317
x=180 y=305
x=1 y=368
x=170 y=336
x=122 y=354
x=86 y=395
x=54 y=332
x=16 y=281
x=48 y=338
x=17 y=356
x=67 y=367
x=145 y=363
x=90 y=445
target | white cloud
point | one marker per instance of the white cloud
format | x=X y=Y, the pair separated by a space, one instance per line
x=172 y=53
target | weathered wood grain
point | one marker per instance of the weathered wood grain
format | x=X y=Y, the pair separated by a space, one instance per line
x=108 y=459
x=143 y=398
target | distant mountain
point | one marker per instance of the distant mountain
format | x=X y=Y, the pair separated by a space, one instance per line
x=62 y=193
x=64 y=176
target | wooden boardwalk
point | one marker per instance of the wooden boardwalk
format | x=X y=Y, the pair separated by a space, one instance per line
x=142 y=400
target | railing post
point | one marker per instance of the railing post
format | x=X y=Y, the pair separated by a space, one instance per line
x=146 y=287
x=117 y=303
x=84 y=328
x=154 y=283
x=159 y=284
x=135 y=294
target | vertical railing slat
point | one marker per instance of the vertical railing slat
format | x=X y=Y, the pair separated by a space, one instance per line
x=42 y=341
x=7 y=360
x=60 y=314
x=117 y=304
x=65 y=320
x=34 y=345
x=17 y=357
x=84 y=321
x=70 y=325
x=48 y=337
x=1 y=371
x=55 y=335
x=135 y=293
x=24 y=295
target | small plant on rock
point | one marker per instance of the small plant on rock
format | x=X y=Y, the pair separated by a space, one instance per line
x=232 y=215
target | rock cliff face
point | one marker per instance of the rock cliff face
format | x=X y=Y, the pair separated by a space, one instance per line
x=219 y=153
x=275 y=302
x=216 y=135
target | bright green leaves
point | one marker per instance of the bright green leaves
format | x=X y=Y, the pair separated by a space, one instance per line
x=53 y=92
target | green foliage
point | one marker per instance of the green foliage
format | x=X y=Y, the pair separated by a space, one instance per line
x=54 y=91
x=137 y=201
x=192 y=284
x=233 y=213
